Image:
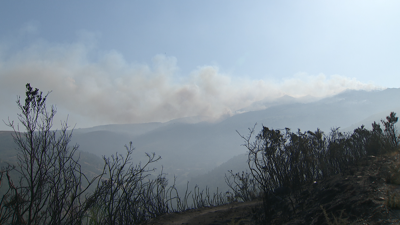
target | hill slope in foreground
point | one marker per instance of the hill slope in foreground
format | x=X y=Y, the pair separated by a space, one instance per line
x=364 y=195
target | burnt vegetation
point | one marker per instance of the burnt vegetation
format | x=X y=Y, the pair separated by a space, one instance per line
x=282 y=162
x=47 y=184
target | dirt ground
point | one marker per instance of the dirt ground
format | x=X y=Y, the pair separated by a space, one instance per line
x=225 y=214
x=360 y=196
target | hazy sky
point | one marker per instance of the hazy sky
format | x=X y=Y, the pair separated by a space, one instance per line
x=142 y=61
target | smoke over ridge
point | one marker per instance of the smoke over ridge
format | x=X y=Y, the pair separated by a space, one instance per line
x=111 y=90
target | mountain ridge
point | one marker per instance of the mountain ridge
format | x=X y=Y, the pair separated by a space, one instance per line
x=192 y=149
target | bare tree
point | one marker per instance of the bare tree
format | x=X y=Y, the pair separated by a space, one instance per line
x=52 y=189
x=390 y=130
x=51 y=184
x=5 y=211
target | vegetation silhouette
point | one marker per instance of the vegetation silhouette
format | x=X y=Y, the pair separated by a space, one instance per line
x=52 y=189
x=48 y=186
x=283 y=161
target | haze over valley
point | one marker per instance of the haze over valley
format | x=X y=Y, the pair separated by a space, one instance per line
x=187 y=80
x=193 y=151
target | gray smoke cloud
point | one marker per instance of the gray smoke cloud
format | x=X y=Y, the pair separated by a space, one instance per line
x=111 y=90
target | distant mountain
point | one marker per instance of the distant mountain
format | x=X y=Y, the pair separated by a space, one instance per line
x=91 y=164
x=7 y=148
x=367 y=122
x=284 y=100
x=131 y=129
x=216 y=177
x=189 y=148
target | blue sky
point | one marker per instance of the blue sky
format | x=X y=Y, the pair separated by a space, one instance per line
x=142 y=61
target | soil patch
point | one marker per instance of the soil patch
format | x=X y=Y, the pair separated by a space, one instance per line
x=224 y=214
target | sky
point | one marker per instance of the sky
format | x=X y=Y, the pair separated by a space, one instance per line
x=153 y=61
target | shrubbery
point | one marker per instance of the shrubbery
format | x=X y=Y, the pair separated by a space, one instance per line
x=51 y=184
x=284 y=160
x=52 y=189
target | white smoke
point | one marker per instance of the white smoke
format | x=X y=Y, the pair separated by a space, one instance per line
x=112 y=90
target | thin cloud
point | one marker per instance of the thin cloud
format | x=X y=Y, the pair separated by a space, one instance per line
x=112 y=90
x=29 y=28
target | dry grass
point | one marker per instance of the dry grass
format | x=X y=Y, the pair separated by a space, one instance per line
x=336 y=220
x=393 y=176
x=393 y=200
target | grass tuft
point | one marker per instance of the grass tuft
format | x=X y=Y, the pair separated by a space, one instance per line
x=336 y=220
x=393 y=200
x=393 y=177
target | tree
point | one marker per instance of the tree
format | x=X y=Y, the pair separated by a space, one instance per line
x=51 y=184
x=52 y=188
x=390 y=129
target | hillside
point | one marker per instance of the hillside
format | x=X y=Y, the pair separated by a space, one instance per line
x=299 y=175
x=92 y=165
x=189 y=150
x=364 y=195
x=194 y=151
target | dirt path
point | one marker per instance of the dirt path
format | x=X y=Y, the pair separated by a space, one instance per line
x=232 y=213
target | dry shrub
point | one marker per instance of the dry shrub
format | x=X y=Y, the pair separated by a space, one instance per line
x=336 y=220
x=392 y=172
x=393 y=200
x=279 y=158
x=393 y=176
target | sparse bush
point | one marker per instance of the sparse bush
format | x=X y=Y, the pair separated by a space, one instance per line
x=284 y=159
x=336 y=220
x=393 y=200
x=5 y=211
x=51 y=183
x=52 y=188
x=390 y=130
x=132 y=194
x=95 y=215
x=244 y=186
x=393 y=176
x=203 y=198
x=126 y=194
